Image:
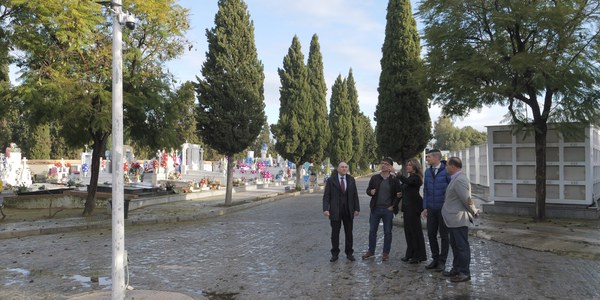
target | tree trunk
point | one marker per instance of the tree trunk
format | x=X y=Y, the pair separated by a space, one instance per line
x=541 y=129
x=90 y=202
x=402 y=170
x=228 y=190
x=299 y=180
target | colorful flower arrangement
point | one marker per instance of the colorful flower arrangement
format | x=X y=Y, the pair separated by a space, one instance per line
x=174 y=176
x=266 y=175
x=163 y=161
x=243 y=166
x=136 y=168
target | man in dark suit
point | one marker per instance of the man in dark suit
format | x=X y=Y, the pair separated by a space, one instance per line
x=340 y=204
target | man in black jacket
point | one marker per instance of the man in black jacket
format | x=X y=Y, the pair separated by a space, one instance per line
x=340 y=204
x=383 y=189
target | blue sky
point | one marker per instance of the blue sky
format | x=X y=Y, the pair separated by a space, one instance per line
x=351 y=33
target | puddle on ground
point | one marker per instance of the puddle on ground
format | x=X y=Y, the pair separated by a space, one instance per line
x=16 y=279
x=22 y=277
x=87 y=282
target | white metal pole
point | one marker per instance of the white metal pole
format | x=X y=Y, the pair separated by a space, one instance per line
x=118 y=217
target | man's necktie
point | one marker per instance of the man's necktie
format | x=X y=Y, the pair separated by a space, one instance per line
x=432 y=170
x=342 y=184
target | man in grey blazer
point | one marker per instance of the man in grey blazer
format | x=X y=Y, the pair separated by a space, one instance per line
x=458 y=211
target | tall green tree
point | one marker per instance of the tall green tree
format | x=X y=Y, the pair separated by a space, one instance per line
x=67 y=68
x=403 y=123
x=231 y=93
x=41 y=143
x=294 y=129
x=13 y=125
x=358 y=138
x=181 y=114
x=340 y=121
x=443 y=132
x=369 y=153
x=540 y=59
x=318 y=99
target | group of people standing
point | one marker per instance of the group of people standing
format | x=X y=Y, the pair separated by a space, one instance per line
x=446 y=204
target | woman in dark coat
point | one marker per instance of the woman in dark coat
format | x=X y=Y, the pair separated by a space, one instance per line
x=412 y=205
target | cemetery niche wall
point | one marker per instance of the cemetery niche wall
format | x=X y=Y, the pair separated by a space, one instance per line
x=572 y=171
x=502 y=172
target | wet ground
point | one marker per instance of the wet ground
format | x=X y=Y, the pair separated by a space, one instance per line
x=273 y=251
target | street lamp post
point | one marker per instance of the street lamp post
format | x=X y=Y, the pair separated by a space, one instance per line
x=119 y=256
x=118 y=214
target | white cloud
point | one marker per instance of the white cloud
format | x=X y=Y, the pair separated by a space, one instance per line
x=478 y=119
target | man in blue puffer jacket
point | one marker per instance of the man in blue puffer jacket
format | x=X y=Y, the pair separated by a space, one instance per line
x=434 y=191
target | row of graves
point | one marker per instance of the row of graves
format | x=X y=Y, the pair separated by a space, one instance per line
x=183 y=168
x=14 y=171
x=266 y=170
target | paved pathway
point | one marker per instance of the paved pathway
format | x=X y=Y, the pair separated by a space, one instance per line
x=273 y=251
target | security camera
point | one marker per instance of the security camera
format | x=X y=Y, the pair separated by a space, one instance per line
x=130 y=21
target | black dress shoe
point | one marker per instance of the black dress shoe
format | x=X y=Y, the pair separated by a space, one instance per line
x=450 y=273
x=350 y=257
x=405 y=259
x=432 y=265
x=334 y=258
x=415 y=261
x=460 y=278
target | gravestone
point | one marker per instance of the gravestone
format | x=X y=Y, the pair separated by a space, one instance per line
x=14 y=169
x=192 y=158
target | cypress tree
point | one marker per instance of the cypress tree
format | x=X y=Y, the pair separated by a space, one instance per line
x=41 y=142
x=340 y=122
x=181 y=114
x=318 y=99
x=293 y=130
x=358 y=138
x=231 y=95
x=403 y=122
x=370 y=144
